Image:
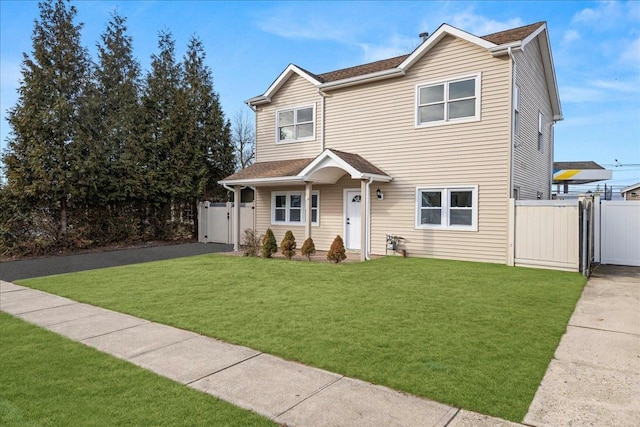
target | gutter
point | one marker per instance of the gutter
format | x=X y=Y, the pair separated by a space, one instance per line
x=505 y=49
x=513 y=136
x=367 y=238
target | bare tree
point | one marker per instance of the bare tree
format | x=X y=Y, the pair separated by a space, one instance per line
x=244 y=139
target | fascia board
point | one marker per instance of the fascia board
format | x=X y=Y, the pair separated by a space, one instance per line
x=365 y=78
x=550 y=72
x=284 y=76
x=441 y=32
x=263 y=181
x=327 y=153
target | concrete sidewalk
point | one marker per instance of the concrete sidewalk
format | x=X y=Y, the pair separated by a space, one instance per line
x=594 y=378
x=287 y=392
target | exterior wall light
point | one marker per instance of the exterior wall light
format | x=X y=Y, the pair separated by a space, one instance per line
x=379 y=194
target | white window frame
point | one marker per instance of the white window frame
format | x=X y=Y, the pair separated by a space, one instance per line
x=287 y=208
x=516 y=110
x=295 y=123
x=446 y=82
x=446 y=198
x=540 y=134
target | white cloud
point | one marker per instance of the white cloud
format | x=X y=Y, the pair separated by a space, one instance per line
x=481 y=25
x=608 y=14
x=571 y=36
x=396 y=45
x=616 y=85
x=630 y=54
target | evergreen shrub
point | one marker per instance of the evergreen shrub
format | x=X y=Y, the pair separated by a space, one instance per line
x=337 y=252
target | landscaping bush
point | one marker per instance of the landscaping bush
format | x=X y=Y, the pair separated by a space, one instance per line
x=288 y=245
x=250 y=243
x=269 y=245
x=308 y=248
x=337 y=251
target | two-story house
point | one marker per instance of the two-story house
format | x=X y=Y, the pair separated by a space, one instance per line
x=429 y=146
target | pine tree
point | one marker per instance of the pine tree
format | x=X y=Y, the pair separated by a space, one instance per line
x=118 y=84
x=41 y=157
x=269 y=245
x=207 y=158
x=164 y=107
x=288 y=245
x=337 y=251
x=308 y=248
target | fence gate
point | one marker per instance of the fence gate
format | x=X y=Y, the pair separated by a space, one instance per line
x=547 y=234
x=215 y=221
x=620 y=232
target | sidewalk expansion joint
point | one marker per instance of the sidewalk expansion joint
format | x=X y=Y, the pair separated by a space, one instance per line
x=114 y=331
x=40 y=309
x=324 y=387
x=452 y=418
x=157 y=348
x=605 y=330
x=225 y=368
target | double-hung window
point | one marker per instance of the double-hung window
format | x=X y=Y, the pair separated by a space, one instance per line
x=288 y=207
x=447 y=207
x=295 y=124
x=449 y=101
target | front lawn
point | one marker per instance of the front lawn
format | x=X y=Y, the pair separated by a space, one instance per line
x=477 y=336
x=46 y=380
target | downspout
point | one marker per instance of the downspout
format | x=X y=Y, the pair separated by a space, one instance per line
x=511 y=126
x=367 y=215
x=322 y=107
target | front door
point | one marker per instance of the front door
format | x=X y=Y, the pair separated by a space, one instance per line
x=352 y=220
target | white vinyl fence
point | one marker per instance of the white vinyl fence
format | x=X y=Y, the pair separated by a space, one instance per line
x=546 y=234
x=215 y=221
x=620 y=232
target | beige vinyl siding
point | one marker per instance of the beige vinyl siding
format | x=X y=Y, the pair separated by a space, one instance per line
x=331 y=213
x=377 y=121
x=295 y=92
x=531 y=167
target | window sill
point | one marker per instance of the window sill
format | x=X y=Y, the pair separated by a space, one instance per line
x=293 y=141
x=447 y=122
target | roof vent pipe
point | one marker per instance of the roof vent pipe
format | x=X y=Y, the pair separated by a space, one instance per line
x=423 y=36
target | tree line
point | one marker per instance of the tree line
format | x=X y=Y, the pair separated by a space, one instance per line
x=100 y=152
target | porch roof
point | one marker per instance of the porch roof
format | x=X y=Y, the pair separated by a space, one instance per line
x=326 y=168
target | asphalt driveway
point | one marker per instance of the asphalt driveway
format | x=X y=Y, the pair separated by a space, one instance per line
x=37 y=267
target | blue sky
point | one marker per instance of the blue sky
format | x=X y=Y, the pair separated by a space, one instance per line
x=595 y=46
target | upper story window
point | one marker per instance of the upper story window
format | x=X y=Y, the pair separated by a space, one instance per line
x=516 y=110
x=295 y=124
x=540 y=138
x=454 y=208
x=450 y=101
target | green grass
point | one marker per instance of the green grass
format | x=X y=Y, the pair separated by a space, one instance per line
x=47 y=380
x=478 y=336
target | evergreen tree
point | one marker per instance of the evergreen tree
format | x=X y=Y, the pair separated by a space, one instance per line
x=207 y=156
x=269 y=245
x=41 y=156
x=288 y=245
x=118 y=84
x=164 y=107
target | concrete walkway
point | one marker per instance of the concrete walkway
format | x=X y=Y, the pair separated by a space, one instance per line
x=287 y=392
x=594 y=378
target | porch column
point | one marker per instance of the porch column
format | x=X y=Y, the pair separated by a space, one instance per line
x=364 y=199
x=236 y=217
x=307 y=209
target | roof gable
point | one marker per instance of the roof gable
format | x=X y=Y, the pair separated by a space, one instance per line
x=497 y=44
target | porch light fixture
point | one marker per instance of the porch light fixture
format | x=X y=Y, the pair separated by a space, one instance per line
x=379 y=194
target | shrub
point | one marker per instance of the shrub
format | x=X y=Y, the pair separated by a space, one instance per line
x=250 y=243
x=308 y=248
x=269 y=245
x=337 y=252
x=288 y=245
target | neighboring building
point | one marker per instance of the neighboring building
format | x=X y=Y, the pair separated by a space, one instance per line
x=428 y=146
x=631 y=192
x=578 y=173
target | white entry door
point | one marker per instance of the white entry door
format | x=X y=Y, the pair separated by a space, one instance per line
x=352 y=219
